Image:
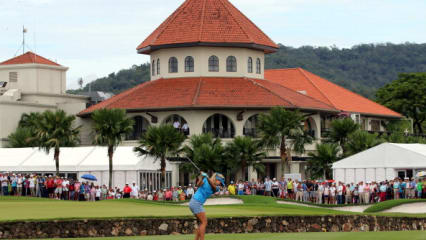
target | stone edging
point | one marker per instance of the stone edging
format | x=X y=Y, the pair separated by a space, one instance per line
x=145 y=226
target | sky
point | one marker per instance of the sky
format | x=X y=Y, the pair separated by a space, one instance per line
x=97 y=37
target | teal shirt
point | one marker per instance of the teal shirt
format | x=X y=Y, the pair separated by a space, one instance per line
x=203 y=192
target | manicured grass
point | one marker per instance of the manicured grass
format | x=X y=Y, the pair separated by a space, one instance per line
x=390 y=204
x=14 y=209
x=412 y=235
x=43 y=209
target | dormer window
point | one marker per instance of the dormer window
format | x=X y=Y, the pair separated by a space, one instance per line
x=213 y=64
x=189 y=64
x=158 y=66
x=173 y=65
x=250 y=65
x=153 y=68
x=258 y=66
x=231 y=64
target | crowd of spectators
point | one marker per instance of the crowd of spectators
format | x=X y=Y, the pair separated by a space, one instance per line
x=56 y=187
x=330 y=192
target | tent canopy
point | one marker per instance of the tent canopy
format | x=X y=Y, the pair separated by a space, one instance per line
x=387 y=155
x=76 y=159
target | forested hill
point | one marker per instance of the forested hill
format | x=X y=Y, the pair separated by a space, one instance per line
x=363 y=68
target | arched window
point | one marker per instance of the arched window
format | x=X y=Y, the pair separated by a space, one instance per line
x=140 y=126
x=231 y=64
x=153 y=68
x=309 y=127
x=173 y=65
x=258 y=66
x=220 y=126
x=213 y=64
x=158 y=66
x=250 y=65
x=250 y=126
x=189 y=64
x=178 y=122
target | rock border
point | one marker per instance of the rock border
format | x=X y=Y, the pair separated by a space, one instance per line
x=151 y=226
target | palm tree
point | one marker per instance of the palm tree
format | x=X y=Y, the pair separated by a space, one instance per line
x=160 y=142
x=280 y=125
x=246 y=152
x=110 y=126
x=206 y=152
x=320 y=162
x=21 y=138
x=54 y=130
x=340 y=130
x=24 y=136
x=359 y=141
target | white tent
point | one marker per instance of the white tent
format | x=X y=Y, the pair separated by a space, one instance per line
x=383 y=162
x=128 y=167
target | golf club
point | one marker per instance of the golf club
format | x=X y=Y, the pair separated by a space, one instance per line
x=195 y=165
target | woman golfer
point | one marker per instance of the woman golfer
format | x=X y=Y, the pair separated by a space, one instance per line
x=206 y=187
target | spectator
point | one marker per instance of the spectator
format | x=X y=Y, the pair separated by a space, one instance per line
x=126 y=191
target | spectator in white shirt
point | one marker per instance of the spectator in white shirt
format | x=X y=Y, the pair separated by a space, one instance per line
x=135 y=191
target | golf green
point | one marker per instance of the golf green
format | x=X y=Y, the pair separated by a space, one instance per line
x=43 y=209
x=412 y=235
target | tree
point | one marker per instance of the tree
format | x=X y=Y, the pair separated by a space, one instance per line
x=280 y=125
x=406 y=95
x=340 y=131
x=360 y=140
x=206 y=152
x=160 y=142
x=54 y=130
x=245 y=151
x=21 y=138
x=110 y=126
x=25 y=135
x=320 y=162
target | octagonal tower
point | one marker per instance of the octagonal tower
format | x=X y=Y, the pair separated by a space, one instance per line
x=207 y=38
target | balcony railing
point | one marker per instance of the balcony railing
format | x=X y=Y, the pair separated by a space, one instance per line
x=220 y=133
x=250 y=132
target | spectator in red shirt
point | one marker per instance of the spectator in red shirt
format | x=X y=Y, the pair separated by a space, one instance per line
x=50 y=184
x=127 y=190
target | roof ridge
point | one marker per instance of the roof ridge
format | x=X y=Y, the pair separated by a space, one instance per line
x=171 y=18
x=197 y=92
x=202 y=20
x=233 y=17
x=319 y=89
x=307 y=96
x=116 y=98
x=282 y=69
x=346 y=90
x=269 y=90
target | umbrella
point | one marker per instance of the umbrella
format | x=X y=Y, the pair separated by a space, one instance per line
x=89 y=177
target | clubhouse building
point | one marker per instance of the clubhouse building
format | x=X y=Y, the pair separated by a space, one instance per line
x=207 y=73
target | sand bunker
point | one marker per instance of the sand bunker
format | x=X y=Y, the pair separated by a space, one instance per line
x=419 y=207
x=358 y=209
x=220 y=201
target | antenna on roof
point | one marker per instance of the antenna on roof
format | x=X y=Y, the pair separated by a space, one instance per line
x=24 y=30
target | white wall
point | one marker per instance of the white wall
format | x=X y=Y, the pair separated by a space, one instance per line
x=36 y=78
x=201 y=56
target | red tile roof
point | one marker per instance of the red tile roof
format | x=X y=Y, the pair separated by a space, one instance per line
x=29 y=57
x=209 y=92
x=208 y=22
x=325 y=91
